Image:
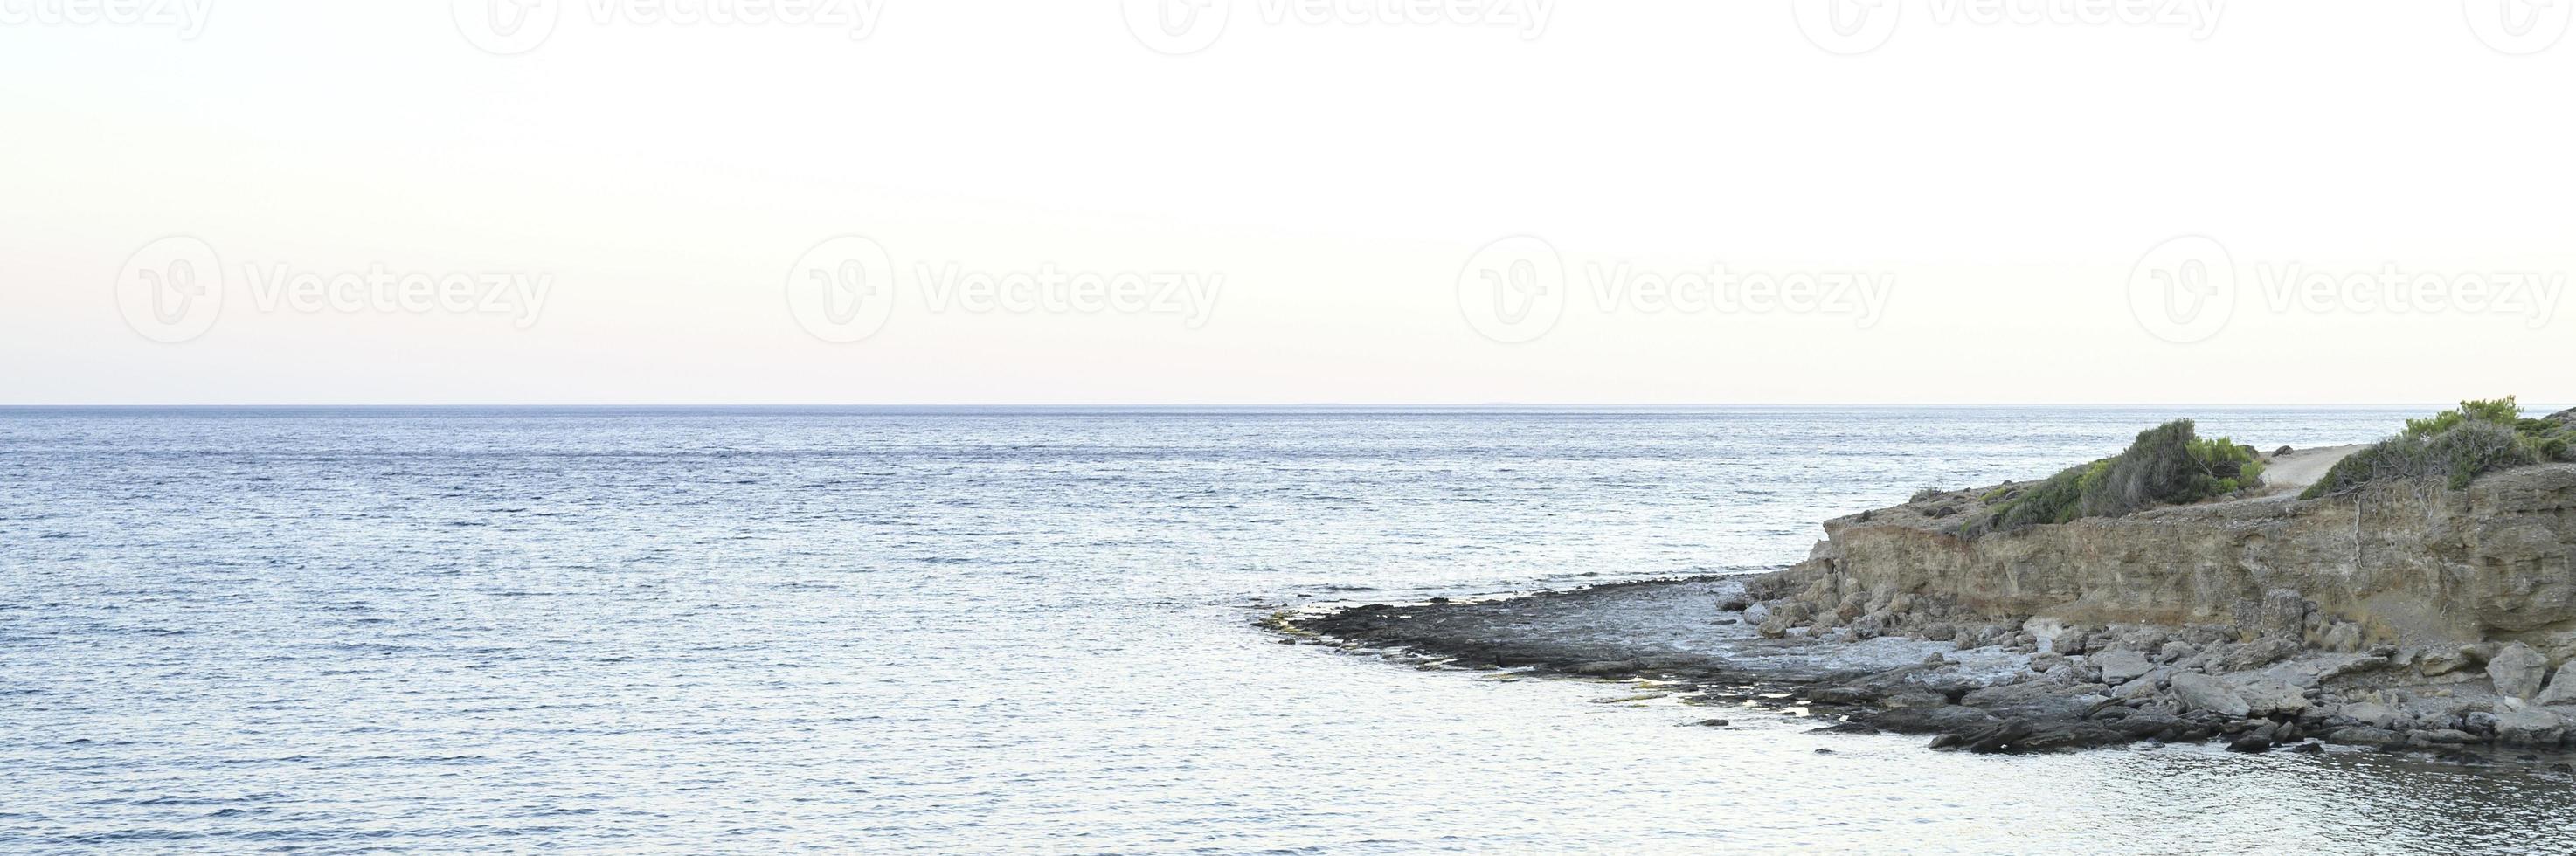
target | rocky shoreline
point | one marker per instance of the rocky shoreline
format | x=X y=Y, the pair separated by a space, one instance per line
x=1992 y=687
x=2184 y=590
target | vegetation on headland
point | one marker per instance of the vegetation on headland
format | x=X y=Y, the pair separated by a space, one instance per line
x=2169 y=464
x=2455 y=447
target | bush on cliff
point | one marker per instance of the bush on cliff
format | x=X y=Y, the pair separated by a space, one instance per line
x=2455 y=447
x=2168 y=465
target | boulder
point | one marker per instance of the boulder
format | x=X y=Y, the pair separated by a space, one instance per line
x=1997 y=738
x=1869 y=626
x=2037 y=699
x=2434 y=664
x=2143 y=686
x=2122 y=666
x=2518 y=671
x=2259 y=653
x=2270 y=697
x=2282 y=613
x=2202 y=692
x=2372 y=714
x=2529 y=728
x=2316 y=669
x=2562 y=686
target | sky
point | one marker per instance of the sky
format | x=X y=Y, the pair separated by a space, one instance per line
x=1274 y=202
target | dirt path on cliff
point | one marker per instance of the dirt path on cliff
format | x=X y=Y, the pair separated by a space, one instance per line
x=2304 y=467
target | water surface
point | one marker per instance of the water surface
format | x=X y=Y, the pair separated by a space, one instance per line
x=941 y=630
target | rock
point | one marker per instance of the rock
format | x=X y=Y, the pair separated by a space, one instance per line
x=2037 y=700
x=2518 y=671
x=2529 y=728
x=2436 y=565
x=1715 y=723
x=2282 y=452
x=2251 y=744
x=2434 y=664
x=2122 y=666
x=2143 y=686
x=2265 y=697
x=2371 y=714
x=2070 y=642
x=1840 y=695
x=1869 y=626
x=2479 y=722
x=2282 y=613
x=2176 y=651
x=1757 y=613
x=1999 y=737
x=2313 y=670
x=2259 y=653
x=2309 y=749
x=2562 y=686
x=2365 y=736
x=1738 y=603
x=2202 y=692
x=2344 y=637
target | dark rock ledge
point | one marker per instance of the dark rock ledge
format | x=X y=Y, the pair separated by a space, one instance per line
x=1983 y=688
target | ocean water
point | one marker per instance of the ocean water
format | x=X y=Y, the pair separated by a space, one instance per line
x=699 y=630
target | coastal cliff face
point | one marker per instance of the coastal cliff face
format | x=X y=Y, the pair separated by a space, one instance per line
x=2416 y=566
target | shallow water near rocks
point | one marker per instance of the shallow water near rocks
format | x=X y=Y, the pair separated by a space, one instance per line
x=943 y=630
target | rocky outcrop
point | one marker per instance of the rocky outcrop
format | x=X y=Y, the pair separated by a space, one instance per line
x=2415 y=566
x=2401 y=616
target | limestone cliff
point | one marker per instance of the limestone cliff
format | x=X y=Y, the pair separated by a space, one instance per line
x=2417 y=566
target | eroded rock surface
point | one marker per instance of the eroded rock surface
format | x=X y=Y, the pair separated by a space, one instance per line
x=2402 y=618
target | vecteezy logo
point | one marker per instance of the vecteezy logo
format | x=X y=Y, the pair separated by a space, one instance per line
x=1513 y=290
x=506 y=27
x=1176 y=27
x=1847 y=27
x=843 y=289
x=171 y=290
x=2184 y=290
x=2519 y=27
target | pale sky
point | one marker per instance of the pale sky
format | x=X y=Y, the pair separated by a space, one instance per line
x=628 y=209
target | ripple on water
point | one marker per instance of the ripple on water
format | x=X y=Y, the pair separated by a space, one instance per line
x=508 y=630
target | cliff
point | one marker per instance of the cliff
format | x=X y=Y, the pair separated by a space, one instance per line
x=2414 y=565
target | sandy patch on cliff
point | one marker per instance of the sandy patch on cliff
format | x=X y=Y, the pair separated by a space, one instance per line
x=2303 y=467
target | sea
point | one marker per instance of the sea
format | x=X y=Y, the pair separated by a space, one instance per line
x=1009 y=630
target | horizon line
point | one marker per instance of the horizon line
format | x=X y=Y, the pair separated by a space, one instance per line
x=1185 y=406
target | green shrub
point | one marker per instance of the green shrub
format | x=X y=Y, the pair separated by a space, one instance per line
x=2167 y=465
x=2503 y=411
x=2453 y=447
